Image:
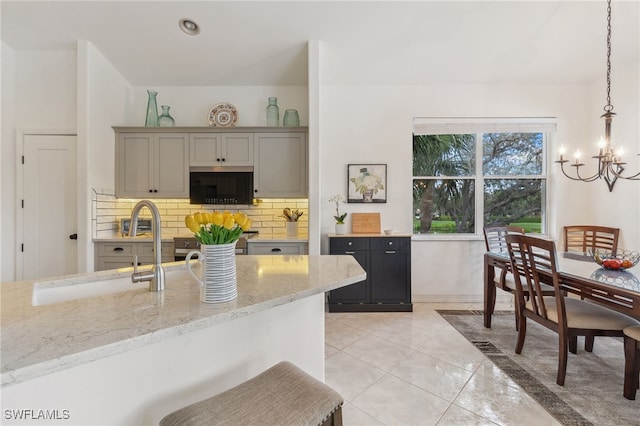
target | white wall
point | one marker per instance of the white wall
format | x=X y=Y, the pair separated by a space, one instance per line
x=373 y=124
x=190 y=106
x=103 y=99
x=7 y=163
x=39 y=93
x=359 y=124
x=620 y=208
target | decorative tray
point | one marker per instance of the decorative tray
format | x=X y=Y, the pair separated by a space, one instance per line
x=223 y=114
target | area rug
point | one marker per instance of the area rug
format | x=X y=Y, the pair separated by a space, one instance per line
x=592 y=393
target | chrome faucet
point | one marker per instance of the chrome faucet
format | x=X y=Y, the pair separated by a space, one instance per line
x=156 y=275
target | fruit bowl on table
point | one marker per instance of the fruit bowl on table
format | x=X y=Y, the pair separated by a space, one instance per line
x=623 y=259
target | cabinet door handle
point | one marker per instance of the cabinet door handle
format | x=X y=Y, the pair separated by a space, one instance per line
x=390 y=251
x=118 y=249
x=151 y=190
x=276 y=250
x=349 y=252
x=217 y=159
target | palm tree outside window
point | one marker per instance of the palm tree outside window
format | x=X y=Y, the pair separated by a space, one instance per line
x=495 y=168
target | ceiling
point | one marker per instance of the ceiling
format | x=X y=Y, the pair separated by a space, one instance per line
x=362 y=42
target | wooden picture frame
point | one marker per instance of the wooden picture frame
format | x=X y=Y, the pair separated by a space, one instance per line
x=367 y=183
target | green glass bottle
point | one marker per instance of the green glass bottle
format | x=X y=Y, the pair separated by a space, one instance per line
x=152 y=109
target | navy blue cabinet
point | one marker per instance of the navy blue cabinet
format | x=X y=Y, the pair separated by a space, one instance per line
x=387 y=261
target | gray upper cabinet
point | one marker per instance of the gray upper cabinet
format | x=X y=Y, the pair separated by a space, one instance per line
x=280 y=169
x=152 y=165
x=220 y=149
x=154 y=162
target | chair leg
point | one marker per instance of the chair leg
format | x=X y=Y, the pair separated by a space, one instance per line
x=515 y=299
x=631 y=367
x=522 y=332
x=573 y=344
x=588 y=343
x=334 y=419
x=562 y=359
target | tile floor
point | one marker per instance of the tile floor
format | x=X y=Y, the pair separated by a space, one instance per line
x=413 y=368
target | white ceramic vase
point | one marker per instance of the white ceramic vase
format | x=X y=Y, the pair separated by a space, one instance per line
x=341 y=228
x=292 y=229
x=217 y=279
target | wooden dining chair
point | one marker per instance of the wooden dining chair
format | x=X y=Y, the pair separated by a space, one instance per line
x=583 y=238
x=631 y=361
x=534 y=262
x=495 y=242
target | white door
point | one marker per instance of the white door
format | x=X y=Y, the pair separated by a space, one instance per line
x=49 y=225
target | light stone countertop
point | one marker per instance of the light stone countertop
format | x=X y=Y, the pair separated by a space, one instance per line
x=39 y=340
x=262 y=238
x=278 y=238
x=142 y=238
x=370 y=235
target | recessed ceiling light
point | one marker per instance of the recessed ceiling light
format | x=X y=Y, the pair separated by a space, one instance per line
x=189 y=26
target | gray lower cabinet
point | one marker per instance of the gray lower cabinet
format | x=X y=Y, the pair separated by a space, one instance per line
x=387 y=261
x=265 y=247
x=114 y=255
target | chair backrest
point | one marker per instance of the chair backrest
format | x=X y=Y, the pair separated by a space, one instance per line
x=494 y=237
x=534 y=262
x=583 y=238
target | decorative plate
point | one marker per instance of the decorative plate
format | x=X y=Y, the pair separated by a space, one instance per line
x=223 y=114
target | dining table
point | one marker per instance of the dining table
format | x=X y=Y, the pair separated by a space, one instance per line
x=578 y=274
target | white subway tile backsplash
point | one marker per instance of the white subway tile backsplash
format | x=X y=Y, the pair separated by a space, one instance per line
x=265 y=215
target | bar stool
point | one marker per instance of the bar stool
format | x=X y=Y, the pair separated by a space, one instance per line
x=281 y=395
x=631 y=361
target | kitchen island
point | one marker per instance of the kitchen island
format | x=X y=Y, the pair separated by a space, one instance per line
x=119 y=354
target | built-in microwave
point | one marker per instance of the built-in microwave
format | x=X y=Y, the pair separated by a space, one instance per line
x=221 y=185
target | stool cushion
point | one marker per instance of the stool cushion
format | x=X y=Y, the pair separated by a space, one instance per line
x=282 y=395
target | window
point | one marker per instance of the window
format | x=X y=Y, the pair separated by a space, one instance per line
x=496 y=167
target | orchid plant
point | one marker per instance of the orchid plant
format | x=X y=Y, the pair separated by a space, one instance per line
x=338 y=198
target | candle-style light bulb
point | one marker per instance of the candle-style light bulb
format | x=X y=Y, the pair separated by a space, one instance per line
x=601 y=145
x=562 y=150
x=578 y=155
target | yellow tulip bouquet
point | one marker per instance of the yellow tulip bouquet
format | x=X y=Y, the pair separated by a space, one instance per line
x=217 y=227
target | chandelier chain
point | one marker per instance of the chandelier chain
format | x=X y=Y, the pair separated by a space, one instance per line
x=610 y=163
x=608 y=107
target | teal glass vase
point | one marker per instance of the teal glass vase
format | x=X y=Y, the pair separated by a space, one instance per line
x=165 y=119
x=291 y=118
x=152 y=109
x=273 y=112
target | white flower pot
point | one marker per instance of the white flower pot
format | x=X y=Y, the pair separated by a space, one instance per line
x=341 y=228
x=292 y=229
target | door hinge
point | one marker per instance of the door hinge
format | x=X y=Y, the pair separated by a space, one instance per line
x=23 y=204
x=23 y=159
x=22 y=248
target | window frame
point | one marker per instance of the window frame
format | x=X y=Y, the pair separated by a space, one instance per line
x=479 y=126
